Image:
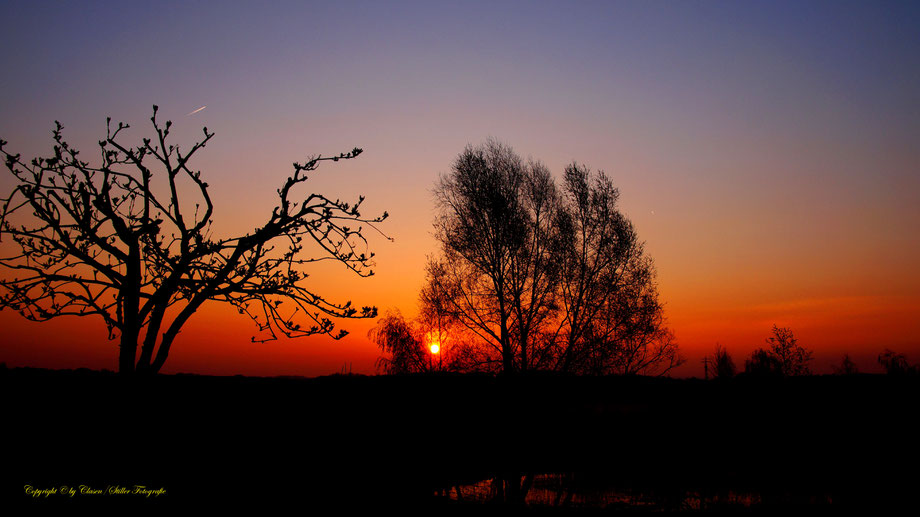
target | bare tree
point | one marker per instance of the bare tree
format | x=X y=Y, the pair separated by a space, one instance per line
x=546 y=280
x=493 y=210
x=438 y=321
x=785 y=356
x=535 y=268
x=611 y=320
x=135 y=248
x=793 y=359
x=723 y=365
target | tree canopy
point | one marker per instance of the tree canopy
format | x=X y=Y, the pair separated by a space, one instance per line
x=531 y=276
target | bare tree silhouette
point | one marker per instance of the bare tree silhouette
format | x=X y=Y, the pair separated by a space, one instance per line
x=785 y=357
x=118 y=241
x=793 y=358
x=495 y=271
x=723 y=367
x=544 y=279
x=611 y=320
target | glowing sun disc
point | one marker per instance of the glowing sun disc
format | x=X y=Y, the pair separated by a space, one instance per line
x=435 y=348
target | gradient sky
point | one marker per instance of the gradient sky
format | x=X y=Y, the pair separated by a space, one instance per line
x=767 y=152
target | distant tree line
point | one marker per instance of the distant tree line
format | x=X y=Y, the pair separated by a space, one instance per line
x=784 y=357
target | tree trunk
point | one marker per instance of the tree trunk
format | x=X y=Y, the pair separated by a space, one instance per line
x=130 y=307
x=523 y=345
x=513 y=489
x=127 y=351
x=498 y=489
x=526 y=485
x=507 y=354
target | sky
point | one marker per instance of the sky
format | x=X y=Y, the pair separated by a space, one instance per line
x=766 y=152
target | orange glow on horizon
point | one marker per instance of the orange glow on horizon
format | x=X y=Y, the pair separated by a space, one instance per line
x=772 y=180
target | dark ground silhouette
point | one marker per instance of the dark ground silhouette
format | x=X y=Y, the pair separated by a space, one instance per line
x=356 y=441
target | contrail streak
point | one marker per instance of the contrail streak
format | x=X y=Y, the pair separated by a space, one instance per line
x=196 y=111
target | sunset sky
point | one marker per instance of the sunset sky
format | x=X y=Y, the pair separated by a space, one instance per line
x=767 y=152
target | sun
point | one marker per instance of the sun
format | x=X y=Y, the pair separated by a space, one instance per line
x=434 y=343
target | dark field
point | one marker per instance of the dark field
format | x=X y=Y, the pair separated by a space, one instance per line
x=587 y=445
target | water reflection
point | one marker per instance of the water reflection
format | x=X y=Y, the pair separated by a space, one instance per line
x=579 y=490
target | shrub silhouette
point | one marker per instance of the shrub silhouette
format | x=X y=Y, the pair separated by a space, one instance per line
x=847 y=366
x=896 y=364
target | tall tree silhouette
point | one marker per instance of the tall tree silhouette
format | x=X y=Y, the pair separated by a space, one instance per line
x=134 y=247
x=493 y=272
x=545 y=279
x=611 y=320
